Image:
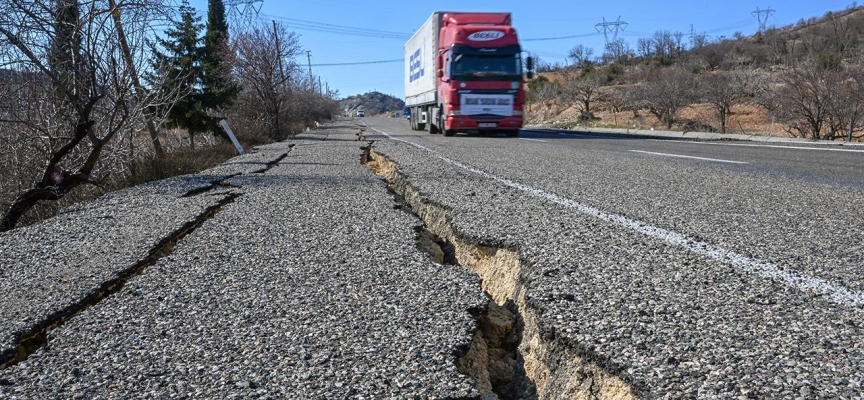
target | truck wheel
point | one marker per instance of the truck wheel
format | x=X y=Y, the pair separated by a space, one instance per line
x=412 y=121
x=433 y=129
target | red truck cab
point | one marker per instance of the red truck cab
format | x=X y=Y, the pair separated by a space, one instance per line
x=480 y=74
x=477 y=83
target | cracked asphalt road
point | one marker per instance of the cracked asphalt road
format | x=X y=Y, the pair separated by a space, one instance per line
x=308 y=285
x=687 y=277
x=684 y=277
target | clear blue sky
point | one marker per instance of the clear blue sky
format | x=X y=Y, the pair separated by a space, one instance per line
x=341 y=31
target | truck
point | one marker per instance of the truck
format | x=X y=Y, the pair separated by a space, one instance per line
x=464 y=72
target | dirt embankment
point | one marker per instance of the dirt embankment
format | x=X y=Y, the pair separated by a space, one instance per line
x=746 y=119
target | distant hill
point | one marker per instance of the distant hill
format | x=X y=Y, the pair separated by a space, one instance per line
x=373 y=103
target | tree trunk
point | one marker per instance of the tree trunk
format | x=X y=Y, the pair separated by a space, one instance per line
x=139 y=89
x=26 y=201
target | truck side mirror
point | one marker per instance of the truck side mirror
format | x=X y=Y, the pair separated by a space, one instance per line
x=529 y=65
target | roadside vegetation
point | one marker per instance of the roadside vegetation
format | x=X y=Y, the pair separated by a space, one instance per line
x=96 y=96
x=805 y=81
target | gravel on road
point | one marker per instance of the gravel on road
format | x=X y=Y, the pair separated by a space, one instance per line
x=309 y=284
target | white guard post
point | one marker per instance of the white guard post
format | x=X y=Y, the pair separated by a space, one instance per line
x=227 y=129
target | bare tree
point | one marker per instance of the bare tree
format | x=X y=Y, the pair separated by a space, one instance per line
x=664 y=44
x=617 y=98
x=846 y=105
x=698 y=41
x=669 y=90
x=266 y=69
x=71 y=93
x=725 y=89
x=645 y=47
x=582 y=90
x=802 y=100
x=617 y=51
x=276 y=96
x=581 y=55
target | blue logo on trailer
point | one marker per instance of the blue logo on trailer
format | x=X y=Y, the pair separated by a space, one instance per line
x=416 y=66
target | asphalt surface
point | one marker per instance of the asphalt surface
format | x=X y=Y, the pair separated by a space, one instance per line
x=687 y=277
x=308 y=285
x=687 y=270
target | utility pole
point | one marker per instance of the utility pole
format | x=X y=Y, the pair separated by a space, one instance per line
x=614 y=27
x=279 y=53
x=762 y=15
x=309 y=60
x=139 y=89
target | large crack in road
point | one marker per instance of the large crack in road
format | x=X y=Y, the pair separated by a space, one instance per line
x=32 y=340
x=36 y=336
x=511 y=356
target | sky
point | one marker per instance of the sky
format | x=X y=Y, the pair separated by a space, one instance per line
x=365 y=39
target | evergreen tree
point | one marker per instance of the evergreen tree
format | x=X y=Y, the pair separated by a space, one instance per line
x=180 y=63
x=219 y=88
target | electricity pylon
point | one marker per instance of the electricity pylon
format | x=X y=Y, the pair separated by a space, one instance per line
x=762 y=16
x=614 y=27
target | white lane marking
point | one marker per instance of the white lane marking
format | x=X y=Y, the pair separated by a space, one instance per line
x=839 y=294
x=767 y=145
x=533 y=140
x=691 y=157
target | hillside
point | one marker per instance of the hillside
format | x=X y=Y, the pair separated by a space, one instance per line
x=374 y=103
x=804 y=80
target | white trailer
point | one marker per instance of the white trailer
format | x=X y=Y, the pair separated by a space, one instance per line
x=421 y=81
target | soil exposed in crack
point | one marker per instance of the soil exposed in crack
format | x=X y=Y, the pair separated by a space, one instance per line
x=509 y=357
x=36 y=337
x=492 y=359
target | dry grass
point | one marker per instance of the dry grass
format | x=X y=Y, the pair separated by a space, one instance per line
x=749 y=119
x=145 y=168
x=179 y=162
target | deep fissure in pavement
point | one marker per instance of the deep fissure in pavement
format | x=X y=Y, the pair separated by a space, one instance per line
x=492 y=358
x=510 y=356
x=33 y=339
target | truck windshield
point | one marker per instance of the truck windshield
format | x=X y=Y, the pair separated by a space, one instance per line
x=484 y=67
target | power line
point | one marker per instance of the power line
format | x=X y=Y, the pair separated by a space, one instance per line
x=560 y=37
x=734 y=25
x=357 y=63
x=338 y=29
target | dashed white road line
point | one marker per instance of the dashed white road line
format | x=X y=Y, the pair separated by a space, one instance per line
x=533 y=140
x=837 y=293
x=691 y=157
x=765 y=145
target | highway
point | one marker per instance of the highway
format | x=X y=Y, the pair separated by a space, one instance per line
x=720 y=268
x=366 y=260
